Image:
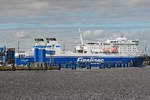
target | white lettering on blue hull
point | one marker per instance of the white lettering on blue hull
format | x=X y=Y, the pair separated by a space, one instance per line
x=80 y=59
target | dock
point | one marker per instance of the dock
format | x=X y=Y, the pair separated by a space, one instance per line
x=147 y=61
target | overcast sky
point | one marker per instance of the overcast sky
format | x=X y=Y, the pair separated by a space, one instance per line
x=25 y=19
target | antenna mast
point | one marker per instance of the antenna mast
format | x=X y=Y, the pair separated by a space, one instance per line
x=145 y=49
x=81 y=37
x=18 y=46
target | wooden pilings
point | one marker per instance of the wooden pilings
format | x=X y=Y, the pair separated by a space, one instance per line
x=71 y=65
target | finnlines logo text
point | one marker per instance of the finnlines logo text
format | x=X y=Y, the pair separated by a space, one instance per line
x=90 y=60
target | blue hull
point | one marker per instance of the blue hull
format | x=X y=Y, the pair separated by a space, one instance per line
x=86 y=61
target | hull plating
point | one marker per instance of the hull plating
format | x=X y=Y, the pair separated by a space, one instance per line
x=84 y=61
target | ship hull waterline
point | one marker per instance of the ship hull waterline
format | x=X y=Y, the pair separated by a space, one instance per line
x=85 y=61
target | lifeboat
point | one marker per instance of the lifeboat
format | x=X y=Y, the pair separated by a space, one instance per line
x=106 y=50
x=114 y=50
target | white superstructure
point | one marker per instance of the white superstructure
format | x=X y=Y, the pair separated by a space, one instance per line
x=117 y=46
x=120 y=46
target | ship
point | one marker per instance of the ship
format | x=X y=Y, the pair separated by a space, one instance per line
x=117 y=52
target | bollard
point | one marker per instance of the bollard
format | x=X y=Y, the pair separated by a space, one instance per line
x=13 y=67
x=59 y=67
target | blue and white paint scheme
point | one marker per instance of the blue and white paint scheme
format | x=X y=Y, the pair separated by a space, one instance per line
x=118 y=52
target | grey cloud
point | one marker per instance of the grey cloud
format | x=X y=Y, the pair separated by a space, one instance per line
x=22 y=35
x=28 y=11
x=37 y=7
x=93 y=34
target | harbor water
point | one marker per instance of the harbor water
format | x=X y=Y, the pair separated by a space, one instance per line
x=131 y=83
